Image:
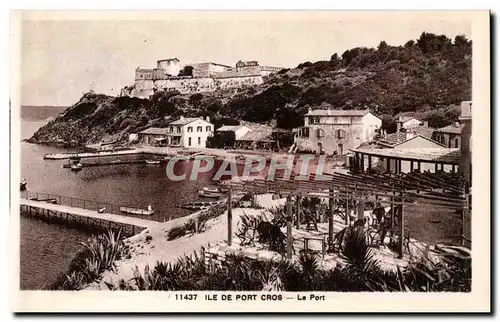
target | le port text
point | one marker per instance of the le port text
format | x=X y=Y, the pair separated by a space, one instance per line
x=310 y=297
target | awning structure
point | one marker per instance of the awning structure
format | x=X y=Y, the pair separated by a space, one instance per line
x=430 y=155
x=160 y=139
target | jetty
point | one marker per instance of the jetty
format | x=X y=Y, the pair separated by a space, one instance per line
x=128 y=225
x=62 y=156
x=109 y=163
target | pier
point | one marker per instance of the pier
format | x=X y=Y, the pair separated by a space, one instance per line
x=88 y=215
x=62 y=156
x=115 y=162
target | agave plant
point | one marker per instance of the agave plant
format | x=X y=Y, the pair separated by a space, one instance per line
x=449 y=271
x=74 y=281
x=273 y=282
x=247 y=228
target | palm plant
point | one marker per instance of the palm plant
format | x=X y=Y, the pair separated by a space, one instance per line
x=360 y=266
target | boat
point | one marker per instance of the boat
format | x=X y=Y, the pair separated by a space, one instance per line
x=76 y=167
x=210 y=192
x=23 y=185
x=137 y=211
x=152 y=161
x=434 y=221
x=199 y=205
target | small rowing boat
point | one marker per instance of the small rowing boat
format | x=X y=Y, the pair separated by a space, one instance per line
x=210 y=192
x=137 y=211
x=199 y=205
x=152 y=161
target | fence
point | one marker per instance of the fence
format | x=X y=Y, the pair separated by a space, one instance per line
x=74 y=202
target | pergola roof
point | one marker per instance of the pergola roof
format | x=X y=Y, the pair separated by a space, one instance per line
x=438 y=189
x=433 y=155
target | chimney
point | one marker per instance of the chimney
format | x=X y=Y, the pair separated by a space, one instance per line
x=309 y=110
x=457 y=124
x=426 y=124
x=207 y=119
x=181 y=118
x=399 y=123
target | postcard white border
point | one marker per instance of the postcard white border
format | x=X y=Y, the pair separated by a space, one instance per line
x=101 y=301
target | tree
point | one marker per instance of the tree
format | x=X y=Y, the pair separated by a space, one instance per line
x=409 y=44
x=221 y=140
x=382 y=45
x=186 y=71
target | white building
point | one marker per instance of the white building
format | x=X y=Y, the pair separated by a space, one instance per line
x=408 y=122
x=331 y=131
x=188 y=132
x=239 y=130
x=194 y=131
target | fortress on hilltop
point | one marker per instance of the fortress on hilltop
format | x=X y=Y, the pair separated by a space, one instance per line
x=170 y=74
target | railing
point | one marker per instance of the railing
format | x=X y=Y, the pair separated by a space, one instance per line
x=87 y=204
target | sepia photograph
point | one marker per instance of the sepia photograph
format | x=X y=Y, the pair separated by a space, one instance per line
x=273 y=160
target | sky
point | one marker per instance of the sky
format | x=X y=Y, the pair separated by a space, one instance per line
x=64 y=55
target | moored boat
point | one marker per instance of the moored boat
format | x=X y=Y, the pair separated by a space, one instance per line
x=137 y=211
x=152 y=161
x=76 y=167
x=198 y=205
x=23 y=185
x=210 y=192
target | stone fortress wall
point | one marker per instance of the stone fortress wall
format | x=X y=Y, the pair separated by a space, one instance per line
x=206 y=77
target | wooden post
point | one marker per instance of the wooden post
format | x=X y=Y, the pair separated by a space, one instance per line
x=362 y=162
x=392 y=216
x=330 y=215
x=229 y=217
x=289 y=226
x=346 y=208
x=411 y=166
x=388 y=161
x=401 y=228
x=369 y=163
x=361 y=208
x=418 y=166
x=453 y=168
x=435 y=167
x=298 y=212
x=442 y=166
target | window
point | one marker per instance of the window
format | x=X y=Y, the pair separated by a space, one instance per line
x=320 y=133
x=171 y=129
x=313 y=120
x=456 y=142
x=178 y=129
x=190 y=129
x=340 y=134
x=199 y=141
x=209 y=129
x=189 y=141
x=199 y=129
